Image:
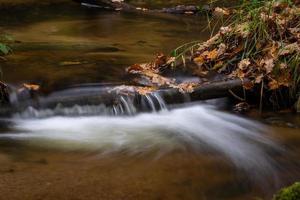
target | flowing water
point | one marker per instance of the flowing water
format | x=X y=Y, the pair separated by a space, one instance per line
x=149 y=150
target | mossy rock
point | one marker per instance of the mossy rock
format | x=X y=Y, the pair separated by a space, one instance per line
x=289 y=193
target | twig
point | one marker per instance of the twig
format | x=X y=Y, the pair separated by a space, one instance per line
x=261 y=96
x=236 y=96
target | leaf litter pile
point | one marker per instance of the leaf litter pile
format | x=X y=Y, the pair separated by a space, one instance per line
x=259 y=42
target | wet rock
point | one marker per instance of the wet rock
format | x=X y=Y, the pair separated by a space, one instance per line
x=242 y=107
x=181 y=9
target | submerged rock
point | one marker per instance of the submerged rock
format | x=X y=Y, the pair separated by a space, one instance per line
x=289 y=193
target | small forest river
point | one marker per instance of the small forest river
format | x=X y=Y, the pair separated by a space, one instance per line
x=195 y=150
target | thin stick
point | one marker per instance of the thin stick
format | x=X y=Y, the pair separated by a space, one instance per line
x=261 y=96
x=236 y=96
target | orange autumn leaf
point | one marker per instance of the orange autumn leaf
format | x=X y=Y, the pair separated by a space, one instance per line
x=136 y=68
x=31 y=86
x=199 y=60
x=212 y=55
x=273 y=84
x=145 y=90
x=248 y=85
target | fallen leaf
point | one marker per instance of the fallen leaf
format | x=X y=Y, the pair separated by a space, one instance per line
x=243 y=30
x=225 y=29
x=273 y=84
x=243 y=64
x=248 y=85
x=199 y=60
x=221 y=12
x=160 y=60
x=267 y=64
x=134 y=69
x=289 y=49
x=186 y=87
x=31 y=86
x=259 y=78
x=222 y=49
x=283 y=66
x=212 y=55
x=284 y=79
x=145 y=90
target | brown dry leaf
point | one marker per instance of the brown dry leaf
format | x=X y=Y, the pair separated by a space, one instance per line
x=258 y=45
x=159 y=80
x=273 y=84
x=199 y=60
x=221 y=12
x=289 y=49
x=237 y=73
x=222 y=49
x=243 y=64
x=243 y=30
x=283 y=66
x=186 y=87
x=135 y=69
x=160 y=60
x=212 y=55
x=259 y=78
x=265 y=17
x=225 y=29
x=209 y=42
x=248 y=85
x=295 y=32
x=31 y=86
x=145 y=90
x=278 y=6
x=267 y=64
x=284 y=79
x=237 y=50
x=273 y=51
x=171 y=60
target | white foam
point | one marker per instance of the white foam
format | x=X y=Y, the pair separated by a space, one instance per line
x=199 y=127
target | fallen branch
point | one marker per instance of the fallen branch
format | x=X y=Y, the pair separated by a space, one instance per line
x=110 y=96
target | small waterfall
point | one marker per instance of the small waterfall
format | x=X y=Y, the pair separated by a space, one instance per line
x=123 y=105
x=142 y=123
x=153 y=102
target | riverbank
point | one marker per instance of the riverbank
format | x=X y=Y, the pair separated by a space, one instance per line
x=7 y=3
x=258 y=44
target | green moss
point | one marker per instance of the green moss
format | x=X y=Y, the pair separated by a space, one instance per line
x=289 y=193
